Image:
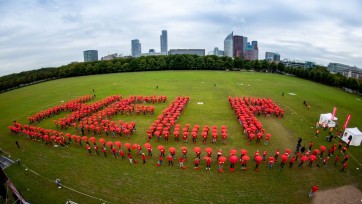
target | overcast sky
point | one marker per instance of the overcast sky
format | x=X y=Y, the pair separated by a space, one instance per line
x=44 y=33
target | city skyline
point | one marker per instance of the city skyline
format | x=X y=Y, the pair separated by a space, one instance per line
x=51 y=33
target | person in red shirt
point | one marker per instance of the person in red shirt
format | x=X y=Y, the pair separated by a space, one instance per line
x=256 y=165
x=114 y=151
x=271 y=162
x=104 y=150
x=344 y=166
x=256 y=154
x=336 y=160
x=208 y=164
x=184 y=152
x=89 y=149
x=243 y=164
x=220 y=166
x=130 y=158
x=291 y=162
x=170 y=160
x=194 y=136
x=284 y=160
x=276 y=154
x=311 y=161
x=198 y=155
x=325 y=160
x=219 y=154
x=149 y=149
x=297 y=155
x=181 y=162
x=96 y=149
x=144 y=158
x=196 y=162
x=310 y=146
x=121 y=152
x=345 y=159
x=264 y=155
x=160 y=160
x=314 y=189
x=267 y=138
x=162 y=151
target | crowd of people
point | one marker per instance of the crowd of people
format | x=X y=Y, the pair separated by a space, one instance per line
x=68 y=106
x=246 y=110
x=95 y=119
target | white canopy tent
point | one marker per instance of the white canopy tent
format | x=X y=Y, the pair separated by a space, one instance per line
x=353 y=134
x=326 y=118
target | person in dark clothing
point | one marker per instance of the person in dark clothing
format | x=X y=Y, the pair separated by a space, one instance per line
x=302 y=149
x=17 y=144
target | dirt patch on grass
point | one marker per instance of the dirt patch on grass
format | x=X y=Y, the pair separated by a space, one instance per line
x=344 y=194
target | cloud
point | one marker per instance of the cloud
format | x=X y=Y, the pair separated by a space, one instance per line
x=44 y=33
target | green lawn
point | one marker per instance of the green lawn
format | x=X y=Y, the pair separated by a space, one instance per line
x=117 y=181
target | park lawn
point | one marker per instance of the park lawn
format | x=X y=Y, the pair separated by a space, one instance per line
x=118 y=181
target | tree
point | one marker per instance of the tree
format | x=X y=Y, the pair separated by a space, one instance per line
x=238 y=63
x=273 y=67
x=281 y=67
x=134 y=64
x=247 y=65
x=264 y=65
x=228 y=62
x=256 y=65
x=199 y=63
x=161 y=63
x=210 y=63
x=143 y=64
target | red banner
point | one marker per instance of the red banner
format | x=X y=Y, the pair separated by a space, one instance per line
x=334 y=112
x=347 y=121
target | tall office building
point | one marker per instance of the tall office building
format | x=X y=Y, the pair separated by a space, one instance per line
x=90 y=55
x=228 y=45
x=245 y=42
x=269 y=56
x=238 y=46
x=256 y=49
x=136 y=48
x=164 y=42
x=250 y=53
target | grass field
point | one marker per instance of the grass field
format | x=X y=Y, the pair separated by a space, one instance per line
x=118 y=181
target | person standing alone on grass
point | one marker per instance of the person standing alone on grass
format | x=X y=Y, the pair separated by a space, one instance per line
x=314 y=189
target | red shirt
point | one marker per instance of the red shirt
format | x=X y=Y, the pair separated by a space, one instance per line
x=315 y=188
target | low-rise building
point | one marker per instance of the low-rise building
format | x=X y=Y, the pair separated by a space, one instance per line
x=345 y=70
x=200 y=52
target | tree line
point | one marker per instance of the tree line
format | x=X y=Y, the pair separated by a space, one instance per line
x=318 y=74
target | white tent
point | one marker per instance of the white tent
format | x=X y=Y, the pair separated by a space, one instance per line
x=354 y=135
x=327 y=119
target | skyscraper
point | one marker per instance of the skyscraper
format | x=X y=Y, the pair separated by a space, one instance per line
x=164 y=42
x=269 y=56
x=256 y=49
x=251 y=52
x=90 y=55
x=238 y=46
x=136 y=48
x=228 y=45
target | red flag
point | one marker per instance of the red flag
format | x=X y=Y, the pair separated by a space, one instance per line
x=347 y=121
x=334 y=112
